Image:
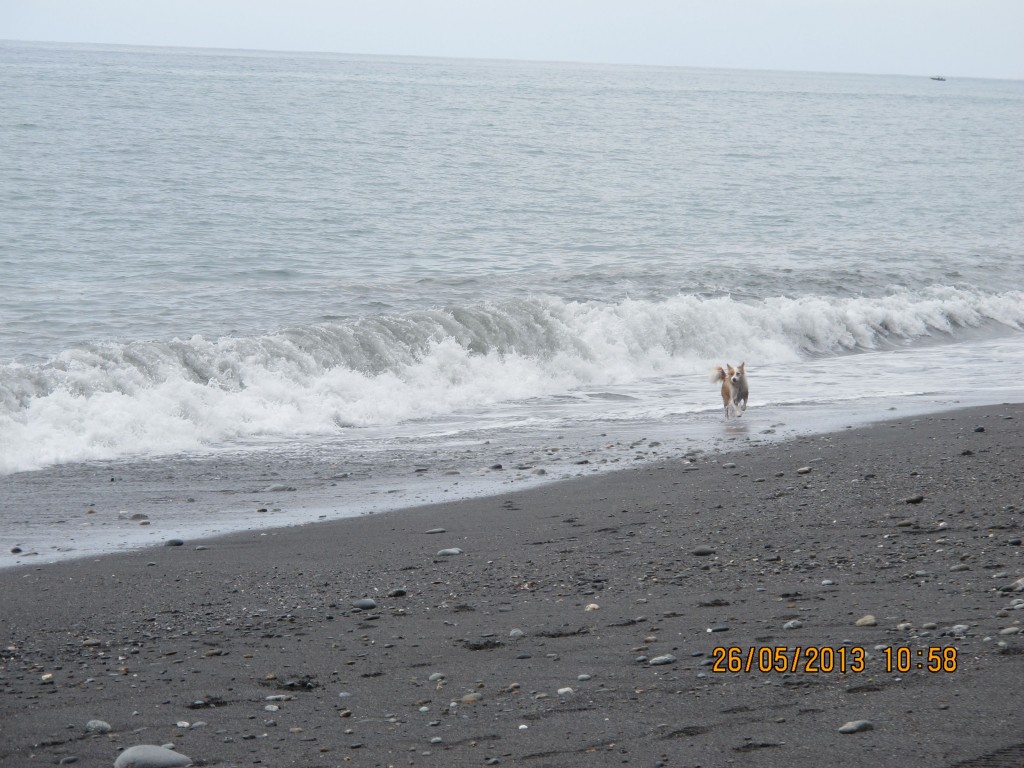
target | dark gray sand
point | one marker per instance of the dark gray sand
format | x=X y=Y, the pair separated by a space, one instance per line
x=535 y=645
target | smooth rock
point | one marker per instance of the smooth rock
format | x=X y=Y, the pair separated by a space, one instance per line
x=659 y=661
x=804 y=471
x=366 y=604
x=1017 y=586
x=794 y=624
x=867 y=621
x=174 y=543
x=150 y=756
x=449 y=552
x=98 y=726
x=703 y=551
x=856 y=726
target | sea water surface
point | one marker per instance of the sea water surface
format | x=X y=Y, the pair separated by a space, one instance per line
x=401 y=269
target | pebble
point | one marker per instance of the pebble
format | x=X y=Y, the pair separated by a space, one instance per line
x=856 y=726
x=366 y=604
x=866 y=621
x=174 y=543
x=98 y=726
x=916 y=499
x=449 y=552
x=960 y=629
x=436 y=530
x=804 y=471
x=1009 y=631
x=703 y=551
x=592 y=607
x=566 y=691
x=150 y=756
x=794 y=624
x=471 y=698
x=517 y=633
x=659 y=661
x=1017 y=586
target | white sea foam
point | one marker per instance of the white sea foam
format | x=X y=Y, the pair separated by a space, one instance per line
x=111 y=400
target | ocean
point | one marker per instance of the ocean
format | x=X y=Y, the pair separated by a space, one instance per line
x=405 y=272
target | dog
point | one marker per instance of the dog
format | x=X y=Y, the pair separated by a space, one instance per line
x=734 y=388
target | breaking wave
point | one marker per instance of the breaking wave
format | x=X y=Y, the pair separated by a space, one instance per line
x=155 y=398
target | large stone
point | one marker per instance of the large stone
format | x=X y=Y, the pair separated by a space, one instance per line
x=150 y=756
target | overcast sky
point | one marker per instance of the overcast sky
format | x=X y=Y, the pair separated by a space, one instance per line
x=976 y=38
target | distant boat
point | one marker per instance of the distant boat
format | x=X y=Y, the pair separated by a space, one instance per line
x=940 y=78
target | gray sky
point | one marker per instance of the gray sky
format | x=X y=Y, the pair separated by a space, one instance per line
x=976 y=38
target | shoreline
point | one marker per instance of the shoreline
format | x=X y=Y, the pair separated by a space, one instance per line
x=91 y=509
x=680 y=560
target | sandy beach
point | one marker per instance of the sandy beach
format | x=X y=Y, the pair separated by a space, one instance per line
x=868 y=577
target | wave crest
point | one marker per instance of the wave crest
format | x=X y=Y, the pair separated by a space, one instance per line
x=110 y=400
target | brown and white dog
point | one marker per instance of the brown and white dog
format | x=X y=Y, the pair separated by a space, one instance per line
x=734 y=388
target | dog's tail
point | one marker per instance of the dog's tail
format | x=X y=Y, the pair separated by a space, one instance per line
x=718 y=373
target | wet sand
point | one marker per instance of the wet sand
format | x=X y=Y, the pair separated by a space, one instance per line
x=533 y=645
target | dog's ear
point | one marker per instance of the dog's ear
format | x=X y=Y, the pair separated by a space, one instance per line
x=741 y=367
